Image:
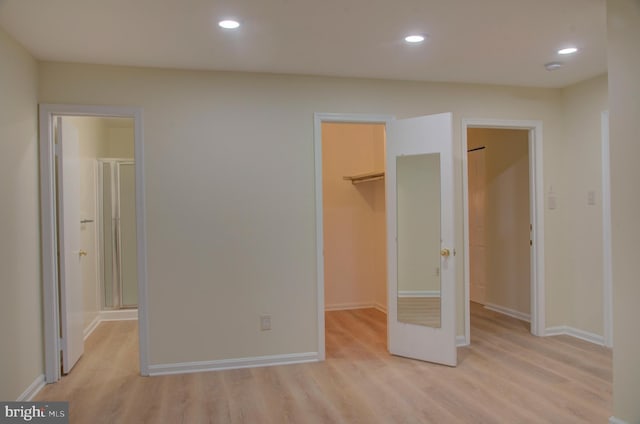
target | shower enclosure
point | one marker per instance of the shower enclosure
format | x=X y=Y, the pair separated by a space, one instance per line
x=118 y=258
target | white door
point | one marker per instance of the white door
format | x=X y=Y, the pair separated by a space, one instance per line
x=70 y=252
x=420 y=237
x=477 y=240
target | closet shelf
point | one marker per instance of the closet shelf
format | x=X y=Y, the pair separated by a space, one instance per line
x=364 y=178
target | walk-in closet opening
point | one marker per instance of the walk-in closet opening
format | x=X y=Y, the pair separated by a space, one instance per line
x=500 y=224
x=354 y=223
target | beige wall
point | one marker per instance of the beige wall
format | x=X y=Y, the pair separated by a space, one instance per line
x=352 y=231
x=229 y=170
x=583 y=104
x=21 y=350
x=508 y=281
x=623 y=22
x=120 y=141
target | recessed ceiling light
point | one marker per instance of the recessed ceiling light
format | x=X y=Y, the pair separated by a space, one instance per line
x=416 y=38
x=229 y=24
x=553 y=66
x=568 y=50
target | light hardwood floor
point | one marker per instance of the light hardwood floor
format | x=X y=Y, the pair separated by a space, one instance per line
x=505 y=376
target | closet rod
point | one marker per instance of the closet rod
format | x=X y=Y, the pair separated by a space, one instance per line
x=370 y=176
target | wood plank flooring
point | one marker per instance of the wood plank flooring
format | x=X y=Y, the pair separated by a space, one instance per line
x=505 y=376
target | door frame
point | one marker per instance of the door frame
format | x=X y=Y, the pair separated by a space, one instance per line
x=318 y=120
x=607 y=259
x=536 y=208
x=51 y=312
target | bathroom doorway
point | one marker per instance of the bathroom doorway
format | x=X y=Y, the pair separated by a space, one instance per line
x=74 y=140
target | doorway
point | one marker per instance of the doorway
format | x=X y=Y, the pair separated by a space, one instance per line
x=503 y=220
x=499 y=222
x=354 y=215
x=421 y=149
x=350 y=211
x=72 y=140
x=354 y=219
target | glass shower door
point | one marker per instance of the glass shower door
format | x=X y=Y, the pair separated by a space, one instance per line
x=127 y=234
x=118 y=234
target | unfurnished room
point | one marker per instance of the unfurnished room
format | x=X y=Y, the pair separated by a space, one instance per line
x=319 y=212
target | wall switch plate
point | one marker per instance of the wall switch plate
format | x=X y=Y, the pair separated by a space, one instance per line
x=551 y=201
x=591 y=197
x=265 y=322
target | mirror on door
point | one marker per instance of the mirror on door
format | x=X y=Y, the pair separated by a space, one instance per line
x=419 y=241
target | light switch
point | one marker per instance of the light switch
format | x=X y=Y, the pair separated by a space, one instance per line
x=591 y=197
x=265 y=322
x=551 y=201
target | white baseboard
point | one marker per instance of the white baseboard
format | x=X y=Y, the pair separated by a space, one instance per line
x=115 y=315
x=418 y=293
x=509 y=312
x=32 y=390
x=379 y=306
x=227 y=364
x=461 y=341
x=94 y=324
x=345 y=306
x=614 y=420
x=574 y=332
x=119 y=315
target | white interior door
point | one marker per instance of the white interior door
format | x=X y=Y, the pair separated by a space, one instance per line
x=477 y=239
x=420 y=227
x=70 y=252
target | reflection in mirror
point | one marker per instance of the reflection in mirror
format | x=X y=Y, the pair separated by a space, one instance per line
x=418 y=218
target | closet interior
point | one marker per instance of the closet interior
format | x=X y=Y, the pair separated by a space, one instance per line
x=354 y=220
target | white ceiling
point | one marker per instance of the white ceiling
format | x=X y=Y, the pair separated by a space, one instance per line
x=481 y=41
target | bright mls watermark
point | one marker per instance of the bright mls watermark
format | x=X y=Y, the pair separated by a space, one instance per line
x=34 y=412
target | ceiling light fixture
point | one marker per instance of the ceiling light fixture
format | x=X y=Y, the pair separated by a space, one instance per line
x=568 y=50
x=413 y=39
x=229 y=24
x=553 y=66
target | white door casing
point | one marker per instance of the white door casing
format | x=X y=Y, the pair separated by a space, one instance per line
x=70 y=251
x=416 y=136
x=607 y=296
x=536 y=214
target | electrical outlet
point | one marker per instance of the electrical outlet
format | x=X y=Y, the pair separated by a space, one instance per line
x=265 y=322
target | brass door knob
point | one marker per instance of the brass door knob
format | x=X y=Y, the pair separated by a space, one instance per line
x=82 y=252
x=445 y=252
